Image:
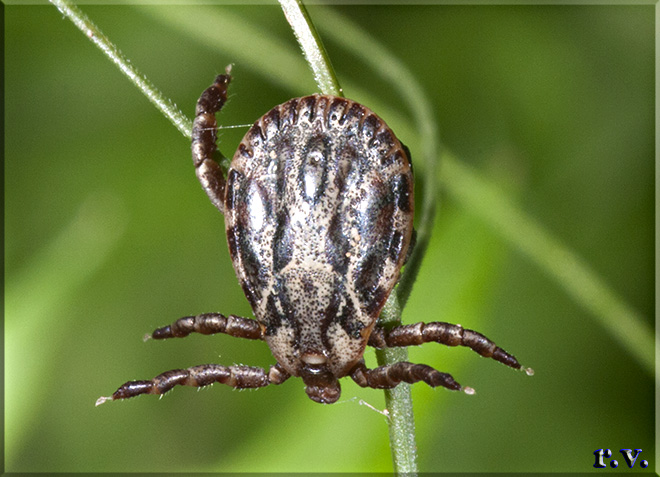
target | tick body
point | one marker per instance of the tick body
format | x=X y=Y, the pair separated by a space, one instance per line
x=318 y=205
x=318 y=213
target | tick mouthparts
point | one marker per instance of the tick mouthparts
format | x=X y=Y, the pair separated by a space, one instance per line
x=324 y=394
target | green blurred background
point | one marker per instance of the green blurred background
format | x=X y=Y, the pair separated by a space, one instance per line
x=108 y=235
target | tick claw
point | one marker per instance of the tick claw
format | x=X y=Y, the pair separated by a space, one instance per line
x=103 y=399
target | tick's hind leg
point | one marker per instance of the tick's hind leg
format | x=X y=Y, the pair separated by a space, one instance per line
x=239 y=377
x=444 y=333
x=204 y=135
x=389 y=376
x=209 y=324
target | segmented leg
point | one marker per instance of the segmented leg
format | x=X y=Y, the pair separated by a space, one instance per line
x=387 y=377
x=208 y=324
x=444 y=333
x=240 y=377
x=204 y=136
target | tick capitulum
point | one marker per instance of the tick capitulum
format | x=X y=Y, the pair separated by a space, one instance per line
x=318 y=205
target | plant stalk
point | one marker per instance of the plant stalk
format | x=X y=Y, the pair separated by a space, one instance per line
x=158 y=99
x=312 y=46
x=398 y=401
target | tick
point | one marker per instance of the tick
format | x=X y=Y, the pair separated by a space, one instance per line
x=318 y=206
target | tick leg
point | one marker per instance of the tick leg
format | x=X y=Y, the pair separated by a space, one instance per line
x=204 y=135
x=444 y=333
x=208 y=324
x=239 y=377
x=387 y=377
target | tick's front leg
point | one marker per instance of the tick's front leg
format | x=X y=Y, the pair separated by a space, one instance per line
x=239 y=377
x=204 y=135
x=209 y=324
x=444 y=333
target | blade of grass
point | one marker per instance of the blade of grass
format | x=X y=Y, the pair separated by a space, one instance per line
x=226 y=33
x=158 y=99
x=578 y=279
x=312 y=46
x=398 y=401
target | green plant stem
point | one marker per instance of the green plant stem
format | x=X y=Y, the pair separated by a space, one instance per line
x=91 y=31
x=398 y=401
x=312 y=46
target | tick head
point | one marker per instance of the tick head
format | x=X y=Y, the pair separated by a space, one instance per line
x=320 y=384
x=318 y=367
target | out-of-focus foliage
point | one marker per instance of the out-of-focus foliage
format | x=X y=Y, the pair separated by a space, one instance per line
x=108 y=235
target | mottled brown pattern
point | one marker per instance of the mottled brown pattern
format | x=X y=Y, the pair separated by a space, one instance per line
x=315 y=207
x=318 y=206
